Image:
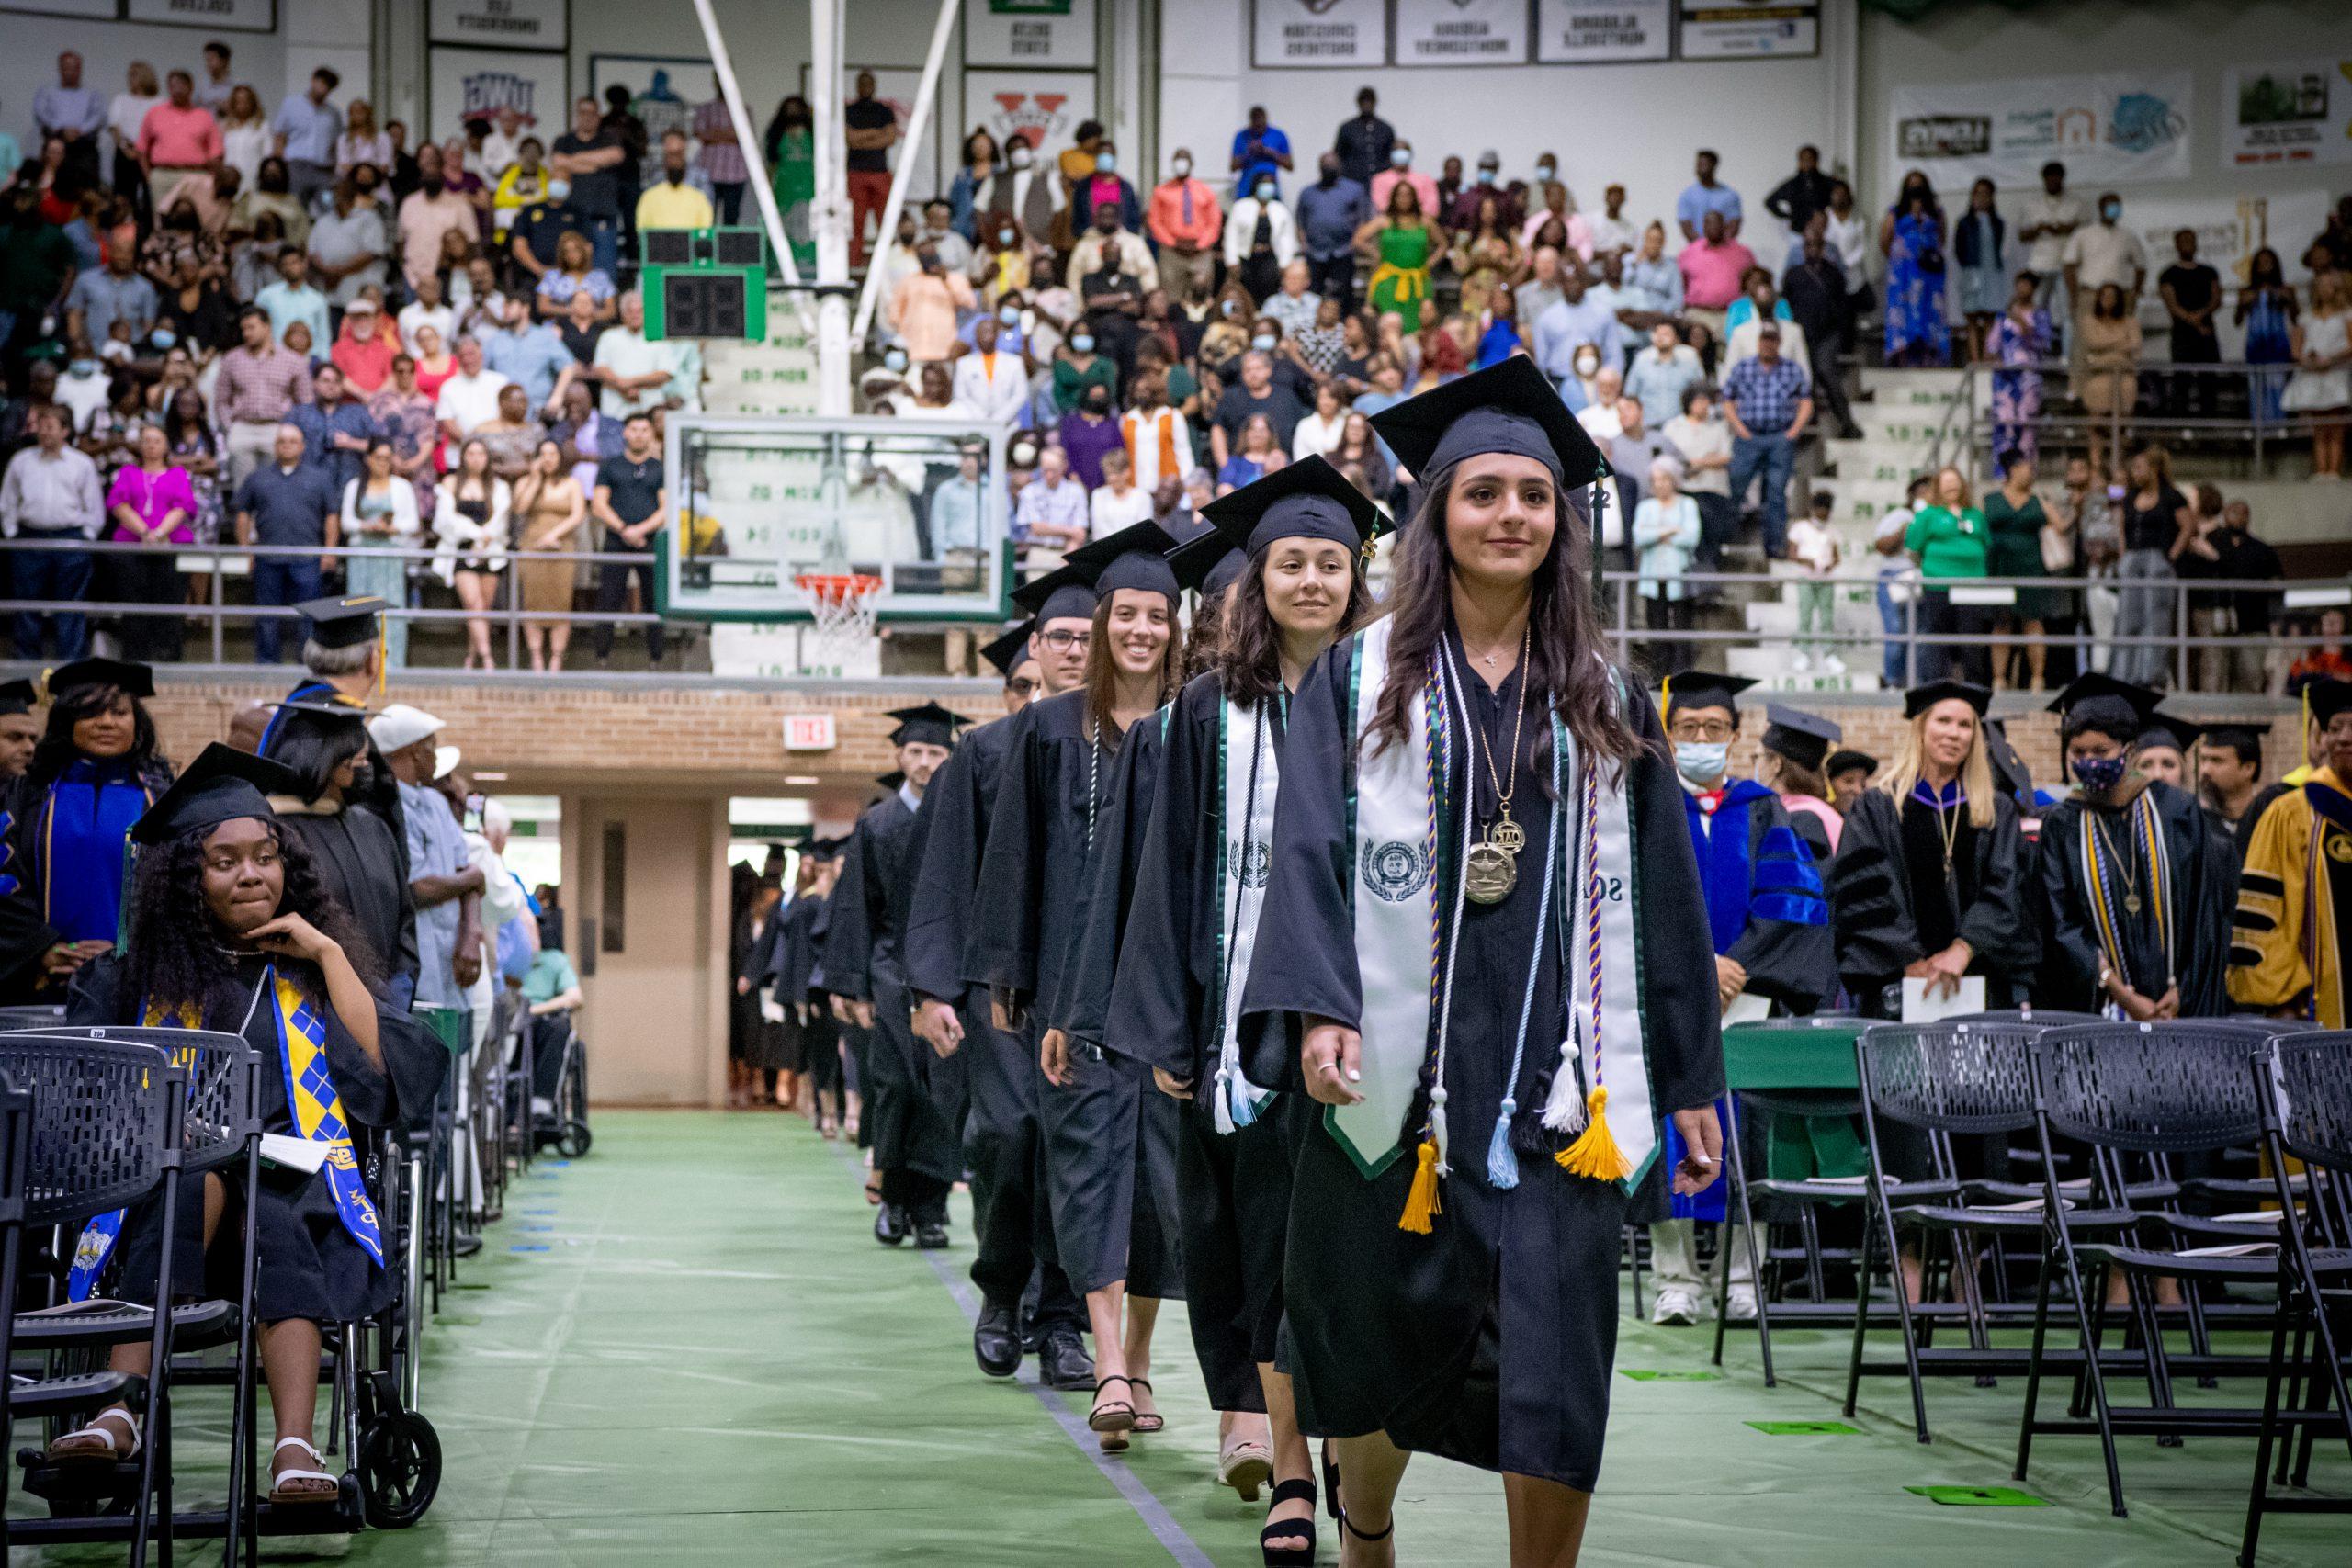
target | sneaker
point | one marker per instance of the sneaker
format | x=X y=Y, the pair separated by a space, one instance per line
x=1832 y=664
x=1741 y=1308
x=1800 y=662
x=1677 y=1309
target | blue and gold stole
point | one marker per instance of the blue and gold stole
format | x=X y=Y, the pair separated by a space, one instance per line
x=99 y=1236
x=2107 y=888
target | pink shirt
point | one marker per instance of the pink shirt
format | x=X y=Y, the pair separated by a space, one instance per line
x=423 y=219
x=176 y=138
x=1711 y=274
x=1425 y=187
x=152 y=496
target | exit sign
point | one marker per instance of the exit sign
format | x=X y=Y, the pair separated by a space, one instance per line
x=808 y=732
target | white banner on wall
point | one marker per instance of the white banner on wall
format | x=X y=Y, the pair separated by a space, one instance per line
x=1319 y=34
x=2229 y=230
x=1748 y=29
x=2299 y=112
x=105 y=10
x=1042 y=107
x=2109 y=129
x=1039 y=34
x=1579 y=32
x=469 y=83
x=229 y=16
x=1460 y=32
x=502 y=24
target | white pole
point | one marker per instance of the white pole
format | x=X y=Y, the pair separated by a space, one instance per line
x=832 y=208
x=755 y=156
x=916 y=124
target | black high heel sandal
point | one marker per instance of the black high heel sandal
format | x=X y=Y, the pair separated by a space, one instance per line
x=1348 y=1527
x=1281 y=1556
x=1146 y=1421
x=1330 y=1482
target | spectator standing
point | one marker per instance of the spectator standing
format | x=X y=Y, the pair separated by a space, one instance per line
x=2246 y=614
x=924 y=309
x=1665 y=533
x=995 y=384
x=521 y=183
x=2107 y=343
x=1611 y=232
x=976 y=170
x=575 y=273
x=1712 y=267
x=336 y=429
x=1542 y=290
x=154 y=506
x=1051 y=517
x=1821 y=306
x=68 y=110
x=2157 y=525
x=429 y=213
x=531 y=354
x=115 y=292
x=260 y=381
x=1254 y=455
x=286 y=510
x=1813 y=546
x=1107 y=243
x=632 y=502
x=1572 y=323
x=1330 y=211
x=1400 y=171
x=1185 y=221
x=348 y=246
x=1898 y=585
x=1260 y=238
x=2192 y=292
x=472 y=518
x=672 y=202
x=2015 y=523
x=1404 y=243
x=539 y=229
x=1699 y=440
x=2100 y=253
x=722 y=159
x=1485 y=255
x=1087 y=434
x=50 y=495
x=2322 y=386
x=380 y=516
x=1977 y=241
x=873 y=129
x=940 y=232
x=1256 y=393
x=1118 y=501
x=588 y=159
x=1847 y=233
x=2046 y=223
x=1157 y=438
x=1260 y=155
x=1947 y=539
x=1461 y=208
x=1652 y=281
x=427 y=309
x=306 y=128
x=178 y=140
x=502 y=146
x=361 y=143
x=189 y=437
x=1911 y=238
x=643 y=376
x=1292 y=307
x=1019 y=189
x=126 y=115
x=1362 y=145
x=468 y=397
x=1705 y=195
x=2020 y=340
x=1795 y=200
x=1661 y=373
x=1574 y=235
x=2266 y=310
x=1768 y=403
x=295 y=299
x=1318 y=435
x=269 y=200
x=217 y=87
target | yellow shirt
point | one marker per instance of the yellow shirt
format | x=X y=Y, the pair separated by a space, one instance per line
x=667 y=205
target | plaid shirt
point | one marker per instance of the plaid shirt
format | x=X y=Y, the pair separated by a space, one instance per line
x=258 y=389
x=1767 y=395
x=723 y=161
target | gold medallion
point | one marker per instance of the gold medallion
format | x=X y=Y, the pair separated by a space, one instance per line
x=1489 y=874
x=1507 y=835
x=2131 y=903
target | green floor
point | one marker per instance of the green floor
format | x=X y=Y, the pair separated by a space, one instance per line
x=687 y=1349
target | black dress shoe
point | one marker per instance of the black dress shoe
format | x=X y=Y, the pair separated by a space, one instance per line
x=1064 y=1363
x=466 y=1244
x=996 y=1342
x=931 y=1235
x=890 y=1225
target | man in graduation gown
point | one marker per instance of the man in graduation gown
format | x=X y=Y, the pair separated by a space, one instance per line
x=916 y=1149
x=1013 y=1257
x=1801 y=741
x=2292 y=936
x=23 y=937
x=2132 y=898
x=1769 y=923
x=2229 y=781
x=792 y=966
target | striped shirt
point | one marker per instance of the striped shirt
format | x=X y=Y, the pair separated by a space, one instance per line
x=258 y=389
x=722 y=161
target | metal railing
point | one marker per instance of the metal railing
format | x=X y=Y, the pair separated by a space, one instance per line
x=2157 y=407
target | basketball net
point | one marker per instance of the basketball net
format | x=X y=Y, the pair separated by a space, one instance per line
x=840 y=614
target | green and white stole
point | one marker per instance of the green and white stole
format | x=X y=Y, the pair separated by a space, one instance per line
x=1398 y=892
x=1249 y=778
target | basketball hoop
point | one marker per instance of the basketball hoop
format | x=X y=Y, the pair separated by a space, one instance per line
x=840 y=608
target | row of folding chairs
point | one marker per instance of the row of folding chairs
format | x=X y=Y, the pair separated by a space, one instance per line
x=2136 y=1134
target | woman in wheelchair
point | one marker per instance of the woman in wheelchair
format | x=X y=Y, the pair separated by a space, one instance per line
x=230 y=930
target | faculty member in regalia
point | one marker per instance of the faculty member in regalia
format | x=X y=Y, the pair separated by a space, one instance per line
x=1490 y=914
x=2292 y=936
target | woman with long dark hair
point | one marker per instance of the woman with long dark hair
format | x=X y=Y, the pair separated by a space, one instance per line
x=1191 y=880
x=322 y=741
x=95 y=772
x=1104 y=1138
x=232 y=930
x=1489 y=913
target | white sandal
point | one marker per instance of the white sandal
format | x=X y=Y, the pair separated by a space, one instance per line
x=277 y=1492
x=111 y=1454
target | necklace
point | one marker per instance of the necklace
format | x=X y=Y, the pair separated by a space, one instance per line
x=1491 y=869
x=1947 y=820
x=2122 y=864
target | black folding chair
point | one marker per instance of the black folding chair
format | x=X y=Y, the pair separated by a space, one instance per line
x=2303 y=1090
x=16 y=1151
x=2135 y=1095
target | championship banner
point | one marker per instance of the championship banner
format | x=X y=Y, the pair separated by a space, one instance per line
x=1460 y=32
x=1319 y=34
x=2111 y=129
x=2295 y=113
x=1584 y=32
x=1034 y=34
x=475 y=84
x=1041 y=108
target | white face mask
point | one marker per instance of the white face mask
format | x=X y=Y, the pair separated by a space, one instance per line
x=1020 y=156
x=1183 y=167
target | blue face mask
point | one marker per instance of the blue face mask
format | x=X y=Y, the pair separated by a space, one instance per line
x=1701 y=762
x=83 y=367
x=1009 y=316
x=1084 y=342
x=162 y=338
x=1262 y=344
x=1265 y=190
x=896 y=359
x=1486 y=177
x=1004 y=236
x=1105 y=163
x=1399 y=159
x=2100 y=775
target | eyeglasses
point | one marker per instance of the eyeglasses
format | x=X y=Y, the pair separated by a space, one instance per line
x=1022 y=686
x=1696 y=731
x=1062 y=642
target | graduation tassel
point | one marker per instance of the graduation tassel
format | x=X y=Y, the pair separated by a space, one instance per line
x=1244 y=1109
x=1438 y=1131
x=1222 y=1112
x=1502 y=1165
x=1421 y=1202
x=1595 y=1153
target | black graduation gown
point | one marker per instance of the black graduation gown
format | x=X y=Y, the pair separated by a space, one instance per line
x=311 y=1268
x=1051 y=824
x=1162 y=1010
x=811 y=1045
x=862 y=961
x=761 y=1043
x=2240 y=833
x=2204 y=891
x=24 y=935
x=1888 y=911
x=1489 y=1341
x=361 y=861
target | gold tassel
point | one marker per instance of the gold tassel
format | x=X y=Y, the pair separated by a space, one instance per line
x=1595 y=1153
x=1422 y=1201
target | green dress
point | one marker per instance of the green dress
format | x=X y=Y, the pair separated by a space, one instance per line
x=2014 y=550
x=1402 y=280
x=796 y=194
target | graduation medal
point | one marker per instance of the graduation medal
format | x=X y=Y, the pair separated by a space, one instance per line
x=1491 y=868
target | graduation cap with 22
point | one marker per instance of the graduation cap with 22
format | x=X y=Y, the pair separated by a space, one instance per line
x=221 y=785
x=925 y=725
x=1508 y=406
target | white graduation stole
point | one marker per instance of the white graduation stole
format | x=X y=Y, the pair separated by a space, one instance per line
x=1250 y=779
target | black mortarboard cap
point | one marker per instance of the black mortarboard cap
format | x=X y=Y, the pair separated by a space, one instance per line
x=325 y=705
x=1135 y=557
x=1007 y=652
x=133 y=679
x=1802 y=737
x=1919 y=699
x=343 y=620
x=1508 y=406
x=1306 y=500
x=18 y=696
x=928 y=724
x=1204 y=560
x=2240 y=736
x=222 y=784
x=2009 y=767
x=2103 y=703
x=1704 y=689
x=824 y=849
x=2167 y=729
x=1846 y=762
x=2325 y=699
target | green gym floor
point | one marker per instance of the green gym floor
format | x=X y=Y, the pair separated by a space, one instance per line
x=687 y=1349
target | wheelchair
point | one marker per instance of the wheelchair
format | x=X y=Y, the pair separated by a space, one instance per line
x=550 y=1084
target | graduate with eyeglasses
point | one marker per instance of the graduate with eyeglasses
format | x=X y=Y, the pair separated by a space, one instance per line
x=915 y=1123
x=1108 y=1162
x=1013 y=1228
x=2132 y=900
x=1489 y=919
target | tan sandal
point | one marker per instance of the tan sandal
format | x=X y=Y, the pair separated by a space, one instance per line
x=1246 y=1467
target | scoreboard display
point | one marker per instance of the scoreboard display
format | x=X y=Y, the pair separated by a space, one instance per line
x=706 y=283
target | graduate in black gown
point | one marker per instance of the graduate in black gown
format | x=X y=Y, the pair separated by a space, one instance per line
x=23 y=938
x=344 y=655
x=1030 y=913
x=2134 y=904
x=1192 y=889
x=231 y=929
x=1489 y=918
x=1003 y=1144
x=1929 y=881
x=917 y=1147
x=792 y=968
x=2229 y=781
